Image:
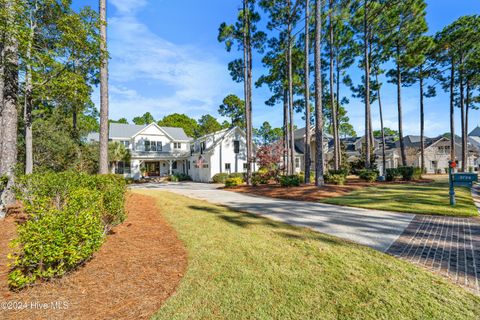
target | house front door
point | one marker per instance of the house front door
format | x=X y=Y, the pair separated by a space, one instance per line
x=153 y=169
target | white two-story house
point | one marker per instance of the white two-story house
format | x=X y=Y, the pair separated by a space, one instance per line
x=162 y=151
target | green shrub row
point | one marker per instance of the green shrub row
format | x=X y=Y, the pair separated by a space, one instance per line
x=177 y=177
x=337 y=177
x=368 y=175
x=264 y=176
x=69 y=215
x=233 y=182
x=406 y=173
x=222 y=177
x=290 y=181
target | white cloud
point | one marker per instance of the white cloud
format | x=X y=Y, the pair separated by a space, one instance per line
x=128 y=6
x=148 y=73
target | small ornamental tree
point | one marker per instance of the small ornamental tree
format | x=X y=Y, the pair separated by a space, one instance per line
x=270 y=156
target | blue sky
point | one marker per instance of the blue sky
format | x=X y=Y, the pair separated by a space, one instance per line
x=165 y=58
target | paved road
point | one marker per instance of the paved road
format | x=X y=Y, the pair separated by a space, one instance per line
x=376 y=229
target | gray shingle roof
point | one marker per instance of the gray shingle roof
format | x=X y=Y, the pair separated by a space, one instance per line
x=300 y=133
x=475 y=132
x=126 y=131
x=176 y=133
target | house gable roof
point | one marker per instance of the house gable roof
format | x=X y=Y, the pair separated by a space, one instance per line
x=222 y=135
x=124 y=131
x=475 y=132
x=128 y=131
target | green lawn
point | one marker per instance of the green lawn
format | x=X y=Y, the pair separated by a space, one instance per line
x=242 y=266
x=429 y=198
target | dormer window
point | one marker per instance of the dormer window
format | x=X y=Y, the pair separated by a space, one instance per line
x=177 y=145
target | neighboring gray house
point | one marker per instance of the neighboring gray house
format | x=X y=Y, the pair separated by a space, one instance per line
x=437 y=151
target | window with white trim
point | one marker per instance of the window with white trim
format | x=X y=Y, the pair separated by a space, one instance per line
x=297 y=163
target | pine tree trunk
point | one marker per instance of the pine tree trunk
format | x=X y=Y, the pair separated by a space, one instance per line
x=249 y=120
x=462 y=115
x=27 y=117
x=382 y=128
x=319 y=180
x=307 y=155
x=286 y=135
x=338 y=111
x=290 y=93
x=1 y=101
x=28 y=107
x=467 y=107
x=367 y=88
x=103 y=159
x=400 y=115
x=422 y=125
x=452 y=111
x=9 y=116
x=333 y=105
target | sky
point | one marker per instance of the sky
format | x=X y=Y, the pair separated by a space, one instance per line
x=165 y=58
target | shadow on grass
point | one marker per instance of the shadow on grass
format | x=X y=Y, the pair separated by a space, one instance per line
x=245 y=220
x=240 y=219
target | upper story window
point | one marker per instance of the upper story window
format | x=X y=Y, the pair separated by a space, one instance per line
x=444 y=149
x=203 y=146
x=236 y=146
x=125 y=143
x=177 y=145
x=152 y=146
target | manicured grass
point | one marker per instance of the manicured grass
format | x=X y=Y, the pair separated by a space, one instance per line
x=242 y=266
x=429 y=198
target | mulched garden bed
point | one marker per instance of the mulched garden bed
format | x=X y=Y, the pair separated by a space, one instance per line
x=309 y=192
x=135 y=271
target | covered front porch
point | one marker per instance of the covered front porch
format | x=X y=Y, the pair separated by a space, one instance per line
x=163 y=168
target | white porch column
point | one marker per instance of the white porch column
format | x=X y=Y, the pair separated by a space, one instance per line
x=170 y=163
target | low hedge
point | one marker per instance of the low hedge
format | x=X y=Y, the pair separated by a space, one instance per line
x=410 y=173
x=68 y=216
x=239 y=175
x=290 y=181
x=180 y=177
x=220 y=177
x=233 y=182
x=264 y=176
x=337 y=179
x=368 y=175
x=392 y=174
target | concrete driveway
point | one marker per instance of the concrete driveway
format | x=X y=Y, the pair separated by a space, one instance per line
x=376 y=229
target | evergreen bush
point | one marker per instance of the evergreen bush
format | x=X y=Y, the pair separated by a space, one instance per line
x=233 y=182
x=68 y=216
x=220 y=177
x=290 y=181
x=368 y=175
